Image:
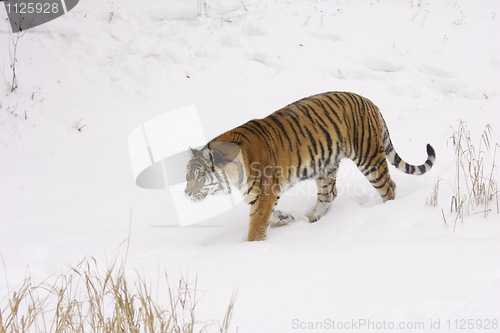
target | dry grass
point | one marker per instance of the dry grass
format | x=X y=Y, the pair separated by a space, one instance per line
x=433 y=200
x=476 y=184
x=87 y=299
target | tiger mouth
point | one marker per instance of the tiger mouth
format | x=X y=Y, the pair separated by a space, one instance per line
x=197 y=197
x=208 y=190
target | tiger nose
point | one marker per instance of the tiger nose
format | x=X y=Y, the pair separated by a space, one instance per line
x=188 y=193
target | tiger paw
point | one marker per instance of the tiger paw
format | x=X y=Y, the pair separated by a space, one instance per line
x=280 y=218
x=313 y=218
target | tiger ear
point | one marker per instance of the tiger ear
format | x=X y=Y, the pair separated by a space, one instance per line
x=224 y=152
x=192 y=151
x=211 y=154
x=208 y=154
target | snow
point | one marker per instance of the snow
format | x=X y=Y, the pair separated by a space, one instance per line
x=66 y=194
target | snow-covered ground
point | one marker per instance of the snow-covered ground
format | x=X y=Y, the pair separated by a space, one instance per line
x=111 y=65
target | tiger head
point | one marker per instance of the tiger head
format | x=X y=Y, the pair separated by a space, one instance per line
x=204 y=175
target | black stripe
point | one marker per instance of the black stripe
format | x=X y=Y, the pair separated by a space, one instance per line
x=363 y=128
x=330 y=191
x=264 y=130
x=374 y=181
x=329 y=184
x=311 y=157
x=388 y=189
x=304 y=173
x=267 y=137
x=368 y=159
x=336 y=107
x=408 y=168
x=430 y=151
x=241 y=134
x=356 y=144
x=322 y=159
x=319 y=103
x=397 y=160
x=294 y=117
x=247 y=127
x=251 y=187
x=283 y=131
x=276 y=133
x=369 y=168
x=299 y=162
x=293 y=129
x=351 y=136
x=305 y=110
x=371 y=135
x=332 y=171
x=340 y=137
x=313 y=141
x=328 y=143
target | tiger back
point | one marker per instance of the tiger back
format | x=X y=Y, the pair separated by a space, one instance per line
x=304 y=140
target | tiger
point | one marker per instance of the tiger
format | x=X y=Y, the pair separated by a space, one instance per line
x=307 y=139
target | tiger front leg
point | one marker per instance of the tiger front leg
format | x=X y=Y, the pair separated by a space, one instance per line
x=261 y=211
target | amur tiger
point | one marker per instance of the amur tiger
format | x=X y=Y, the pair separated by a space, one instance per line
x=306 y=139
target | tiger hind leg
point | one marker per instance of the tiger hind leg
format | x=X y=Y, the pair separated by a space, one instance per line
x=327 y=192
x=280 y=218
x=381 y=180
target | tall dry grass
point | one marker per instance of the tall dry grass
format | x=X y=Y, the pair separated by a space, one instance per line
x=88 y=299
x=475 y=188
